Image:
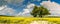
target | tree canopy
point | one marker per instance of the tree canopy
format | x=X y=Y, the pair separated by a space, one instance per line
x=39 y=11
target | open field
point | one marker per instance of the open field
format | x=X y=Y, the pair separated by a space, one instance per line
x=26 y=20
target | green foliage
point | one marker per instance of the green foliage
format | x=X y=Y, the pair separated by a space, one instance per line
x=39 y=11
x=34 y=12
x=43 y=11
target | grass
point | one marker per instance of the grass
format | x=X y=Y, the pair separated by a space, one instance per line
x=27 y=20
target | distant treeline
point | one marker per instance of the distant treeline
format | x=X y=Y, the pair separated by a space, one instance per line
x=6 y=16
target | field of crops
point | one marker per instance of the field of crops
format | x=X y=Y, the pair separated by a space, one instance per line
x=26 y=20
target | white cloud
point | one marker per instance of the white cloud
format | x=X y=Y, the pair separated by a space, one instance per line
x=1 y=8
x=27 y=10
x=6 y=11
x=30 y=5
x=52 y=6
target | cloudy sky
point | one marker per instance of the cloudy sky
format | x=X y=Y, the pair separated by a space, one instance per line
x=24 y=7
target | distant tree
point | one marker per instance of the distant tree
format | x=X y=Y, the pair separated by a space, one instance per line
x=40 y=11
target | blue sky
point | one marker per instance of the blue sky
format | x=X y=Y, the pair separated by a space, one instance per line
x=20 y=5
x=25 y=3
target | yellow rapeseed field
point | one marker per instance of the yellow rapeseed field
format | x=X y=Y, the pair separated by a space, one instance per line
x=26 y=20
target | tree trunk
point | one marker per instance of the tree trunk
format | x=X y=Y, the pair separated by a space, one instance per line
x=35 y=15
x=40 y=16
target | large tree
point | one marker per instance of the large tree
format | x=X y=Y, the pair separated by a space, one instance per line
x=40 y=11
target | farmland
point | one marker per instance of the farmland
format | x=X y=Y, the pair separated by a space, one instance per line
x=26 y=20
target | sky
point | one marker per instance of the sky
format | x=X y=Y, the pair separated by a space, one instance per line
x=24 y=7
